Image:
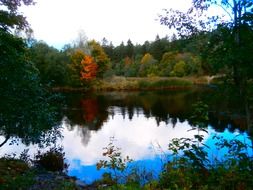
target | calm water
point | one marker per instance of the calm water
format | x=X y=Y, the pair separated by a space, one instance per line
x=142 y=124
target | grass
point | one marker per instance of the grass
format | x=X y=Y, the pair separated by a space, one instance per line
x=135 y=83
x=119 y=83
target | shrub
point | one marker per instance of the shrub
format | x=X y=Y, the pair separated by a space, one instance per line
x=14 y=174
x=52 y=160
x=116 y=163
x=179 y=69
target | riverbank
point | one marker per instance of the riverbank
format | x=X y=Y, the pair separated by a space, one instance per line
x=117 y=83
x=18 y=174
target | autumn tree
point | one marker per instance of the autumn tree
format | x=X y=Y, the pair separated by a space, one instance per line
x=100 y=57
x=147 y=58
x=148 y=66
x=128 y=60
x=89 y=68
x=87 y=62
x=75 y=67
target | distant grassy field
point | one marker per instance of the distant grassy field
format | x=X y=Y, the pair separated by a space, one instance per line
x=154 y=83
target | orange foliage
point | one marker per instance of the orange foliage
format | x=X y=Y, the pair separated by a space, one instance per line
x=89 y=68
x=128 y=61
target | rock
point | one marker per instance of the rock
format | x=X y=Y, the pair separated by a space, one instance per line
x=80 y=183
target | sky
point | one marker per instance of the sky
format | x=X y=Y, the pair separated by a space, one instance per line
x=58 y=22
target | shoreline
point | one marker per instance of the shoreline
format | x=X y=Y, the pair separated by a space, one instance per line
x=139 y=84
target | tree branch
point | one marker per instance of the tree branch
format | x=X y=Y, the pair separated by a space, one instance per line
x=5 y=141
x=224 y=9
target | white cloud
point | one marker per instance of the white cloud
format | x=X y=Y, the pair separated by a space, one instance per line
x=138 y=138
x=57 y=22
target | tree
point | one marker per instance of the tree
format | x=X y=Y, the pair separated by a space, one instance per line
x=81 y=42
x=119 y=52
x=108 y=47
x=10 y=18
x=148 y=66
x=25 y=110
x=147 y=58
x=52 y=64
x=229 y=36
x=75 y=67
x=130 y=49
x=100 y=57
x=89 y=70
x=157 y=48
x=145 y=47
x=179 y=69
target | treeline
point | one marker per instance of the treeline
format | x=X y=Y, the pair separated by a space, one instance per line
x=75 y=65
x=81 y=62
x=162 y=57
x=223 y=49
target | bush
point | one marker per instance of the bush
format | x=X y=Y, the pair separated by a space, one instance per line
x=14 y=174
x=52 y=160
x=179 y=69
x=115 y=161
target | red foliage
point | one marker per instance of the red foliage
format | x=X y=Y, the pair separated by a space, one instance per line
x=90 y=109
x=89 y=70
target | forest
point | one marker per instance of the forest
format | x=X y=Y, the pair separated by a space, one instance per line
x=224 y=50
x=80 y=63
x=30 y=71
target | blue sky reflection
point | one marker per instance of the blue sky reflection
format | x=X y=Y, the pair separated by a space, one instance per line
x=139 y=138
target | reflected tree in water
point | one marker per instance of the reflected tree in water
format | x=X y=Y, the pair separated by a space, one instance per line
x=86 y=114
x=89 y=109
x=225 y=108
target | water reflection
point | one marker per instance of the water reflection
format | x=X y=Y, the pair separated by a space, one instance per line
x=30 y=118
x=165 y=106
x=142 y=122
x=139 y=137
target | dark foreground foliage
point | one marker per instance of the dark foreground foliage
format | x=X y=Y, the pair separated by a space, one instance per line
x=45 y=171
x=189 y=168
x=189 y=165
